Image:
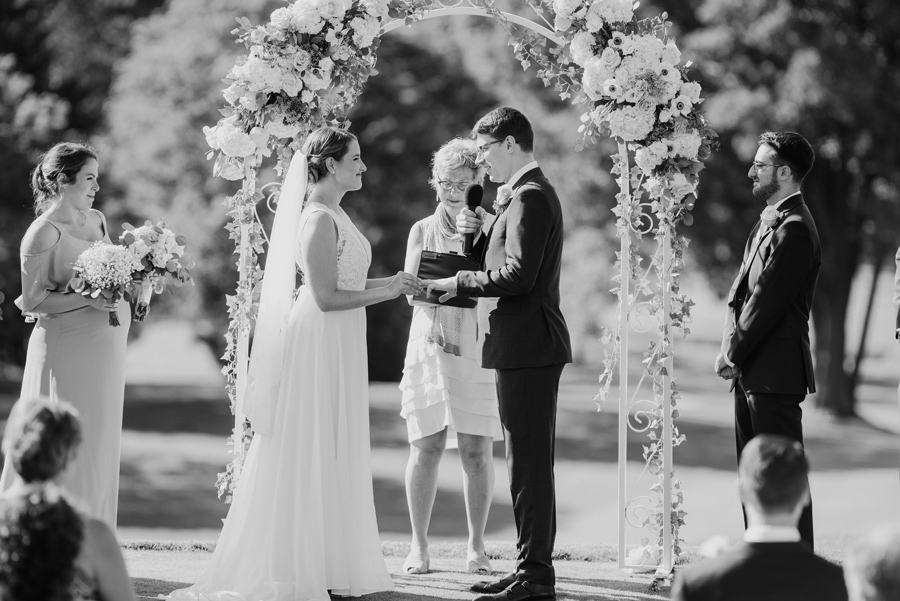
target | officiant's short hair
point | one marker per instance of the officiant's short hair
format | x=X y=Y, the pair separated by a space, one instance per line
x=506 y=121
x=793 y=150
x=773 y=472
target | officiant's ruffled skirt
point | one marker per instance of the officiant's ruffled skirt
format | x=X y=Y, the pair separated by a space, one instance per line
x=302 y=520
x=441 y=390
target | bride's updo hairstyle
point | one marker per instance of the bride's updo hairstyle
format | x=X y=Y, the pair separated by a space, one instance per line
x=56 y=168
x=322 y=144
x=40 y=438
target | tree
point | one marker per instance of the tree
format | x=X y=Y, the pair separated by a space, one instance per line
x=56 y=60
x=831 y=71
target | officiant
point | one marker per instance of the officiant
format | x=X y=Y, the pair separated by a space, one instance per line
x=447 y=395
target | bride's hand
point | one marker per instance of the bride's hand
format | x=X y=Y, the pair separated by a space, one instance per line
x=404 y=283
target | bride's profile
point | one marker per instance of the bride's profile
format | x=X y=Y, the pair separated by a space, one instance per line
x=302 y=521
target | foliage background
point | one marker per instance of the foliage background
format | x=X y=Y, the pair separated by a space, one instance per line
x=140 y=78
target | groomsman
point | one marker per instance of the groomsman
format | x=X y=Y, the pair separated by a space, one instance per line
x=765 y=347
x=523 y=336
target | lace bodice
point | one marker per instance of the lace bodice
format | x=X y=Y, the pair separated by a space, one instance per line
x=354 y=253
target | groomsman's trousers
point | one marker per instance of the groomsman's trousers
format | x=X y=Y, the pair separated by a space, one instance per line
x=771 y=414
x=528 y=398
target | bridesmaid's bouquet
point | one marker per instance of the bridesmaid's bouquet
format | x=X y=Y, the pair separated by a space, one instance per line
x=161 y=260
x=104 y=270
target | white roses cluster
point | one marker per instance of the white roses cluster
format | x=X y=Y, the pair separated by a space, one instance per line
x=157 y=243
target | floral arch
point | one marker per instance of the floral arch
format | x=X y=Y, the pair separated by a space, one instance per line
x=309 y=63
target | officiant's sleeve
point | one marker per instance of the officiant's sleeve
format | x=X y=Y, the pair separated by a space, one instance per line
x=529 y=222
x=779 y=283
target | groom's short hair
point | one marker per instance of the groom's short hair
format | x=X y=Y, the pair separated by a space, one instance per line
x=506 y=121
x=773 y=473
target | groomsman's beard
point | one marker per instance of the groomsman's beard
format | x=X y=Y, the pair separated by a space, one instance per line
x=765 y=191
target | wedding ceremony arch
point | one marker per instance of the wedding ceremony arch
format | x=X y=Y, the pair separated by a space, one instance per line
x=307 y=66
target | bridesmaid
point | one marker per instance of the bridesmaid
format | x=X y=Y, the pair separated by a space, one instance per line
x=73 y=353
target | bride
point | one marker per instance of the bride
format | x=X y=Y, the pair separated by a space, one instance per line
x=302 y=522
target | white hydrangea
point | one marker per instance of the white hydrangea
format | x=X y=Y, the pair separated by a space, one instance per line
x=687 y=145
x=332 y=10
x=680 y=186
x=630 y=123
x=595 y=75
x=259 y=75
x=305 y=17
x=615 y=11
x=276 y=127
x=629 y=69
x=364 y=31
x=648 y=49
x=281 y=17
x=232 y=141
x=233 y=93
x=580 y=47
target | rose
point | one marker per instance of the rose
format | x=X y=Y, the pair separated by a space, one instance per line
x=671 y=54
x=291 y=84
x=680 y=186
x=307 y=96
x=504 y=196
x=581 y=48
x=281 y=18
x=376 y=8
x=568 y=8
x=610 y=58
x=691 y=90
x=770 y=216
x=594 y=20
x=561 y=23
x=258 y=35
x=341 y=53
x=301 y=59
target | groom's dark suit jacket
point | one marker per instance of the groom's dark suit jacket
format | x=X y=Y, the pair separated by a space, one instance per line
x=767 y=328
x=762 y=571
x=523 y=326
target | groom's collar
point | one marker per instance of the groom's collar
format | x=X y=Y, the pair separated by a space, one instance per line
x=789 y=202
x=516 y=180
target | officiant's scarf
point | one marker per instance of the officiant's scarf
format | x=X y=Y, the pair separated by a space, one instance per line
x=446 y=322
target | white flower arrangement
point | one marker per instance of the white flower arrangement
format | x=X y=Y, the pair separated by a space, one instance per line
x=284 y=87
x=160 y=258
x=104 y=269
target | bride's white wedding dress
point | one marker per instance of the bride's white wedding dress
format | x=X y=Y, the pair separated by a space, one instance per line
x=302 y=521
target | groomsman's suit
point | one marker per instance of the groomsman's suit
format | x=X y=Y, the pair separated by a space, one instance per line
x=773 y=571
x=525 y=339
x=767 y=329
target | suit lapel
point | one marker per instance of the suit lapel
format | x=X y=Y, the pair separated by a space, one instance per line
x=531 y=173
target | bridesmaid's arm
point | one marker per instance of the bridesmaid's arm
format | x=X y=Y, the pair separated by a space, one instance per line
x=108 y=565
x=318 y=242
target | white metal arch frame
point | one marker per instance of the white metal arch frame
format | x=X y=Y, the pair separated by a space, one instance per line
x=630 y=313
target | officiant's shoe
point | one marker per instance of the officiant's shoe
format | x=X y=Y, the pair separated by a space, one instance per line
x=494 y=586
x=522 y=591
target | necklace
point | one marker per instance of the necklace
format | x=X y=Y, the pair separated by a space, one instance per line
x=81 y=219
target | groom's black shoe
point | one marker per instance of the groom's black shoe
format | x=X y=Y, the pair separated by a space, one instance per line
x=494 y=586
x=522 y=591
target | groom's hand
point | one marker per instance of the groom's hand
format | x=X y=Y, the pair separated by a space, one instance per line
x=447 y=285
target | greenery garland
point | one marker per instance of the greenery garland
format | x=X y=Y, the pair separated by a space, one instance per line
x=309 y=63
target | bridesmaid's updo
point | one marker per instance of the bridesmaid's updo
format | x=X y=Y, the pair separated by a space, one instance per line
x=41 y=436
x=56 y=168
x=322 y=144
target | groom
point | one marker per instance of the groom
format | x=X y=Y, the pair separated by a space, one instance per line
x=765 y=347
x=524 y=338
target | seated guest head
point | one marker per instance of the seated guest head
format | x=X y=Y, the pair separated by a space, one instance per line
x=40 y=531
x=773 y=480
x=872 y=568
x=41 y=437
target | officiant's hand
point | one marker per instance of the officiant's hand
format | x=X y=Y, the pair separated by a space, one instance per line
x=468 y=221
x=447 y=285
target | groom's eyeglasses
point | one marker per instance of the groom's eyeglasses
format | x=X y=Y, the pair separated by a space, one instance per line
x=447 y=185
x=482 y=148
x=757 y=165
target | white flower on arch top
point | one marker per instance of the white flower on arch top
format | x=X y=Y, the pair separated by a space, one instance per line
x=308 y=64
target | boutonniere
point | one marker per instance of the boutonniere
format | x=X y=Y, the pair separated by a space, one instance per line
x=504 y=195
x=770 y=217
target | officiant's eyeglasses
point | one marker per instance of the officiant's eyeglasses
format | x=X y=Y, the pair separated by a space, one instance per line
x=447 y=184
x=757 y=165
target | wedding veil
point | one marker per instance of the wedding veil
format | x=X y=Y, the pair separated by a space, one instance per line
x=276 y=299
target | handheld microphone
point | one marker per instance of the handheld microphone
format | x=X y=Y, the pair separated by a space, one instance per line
x=474 y=194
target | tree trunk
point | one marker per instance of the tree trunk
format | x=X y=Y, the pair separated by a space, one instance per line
x=873 y=288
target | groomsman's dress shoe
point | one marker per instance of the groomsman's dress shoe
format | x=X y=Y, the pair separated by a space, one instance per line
x=494 y=586
x=522 y=591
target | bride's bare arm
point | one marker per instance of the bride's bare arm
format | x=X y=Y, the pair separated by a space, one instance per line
x=318 y=242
